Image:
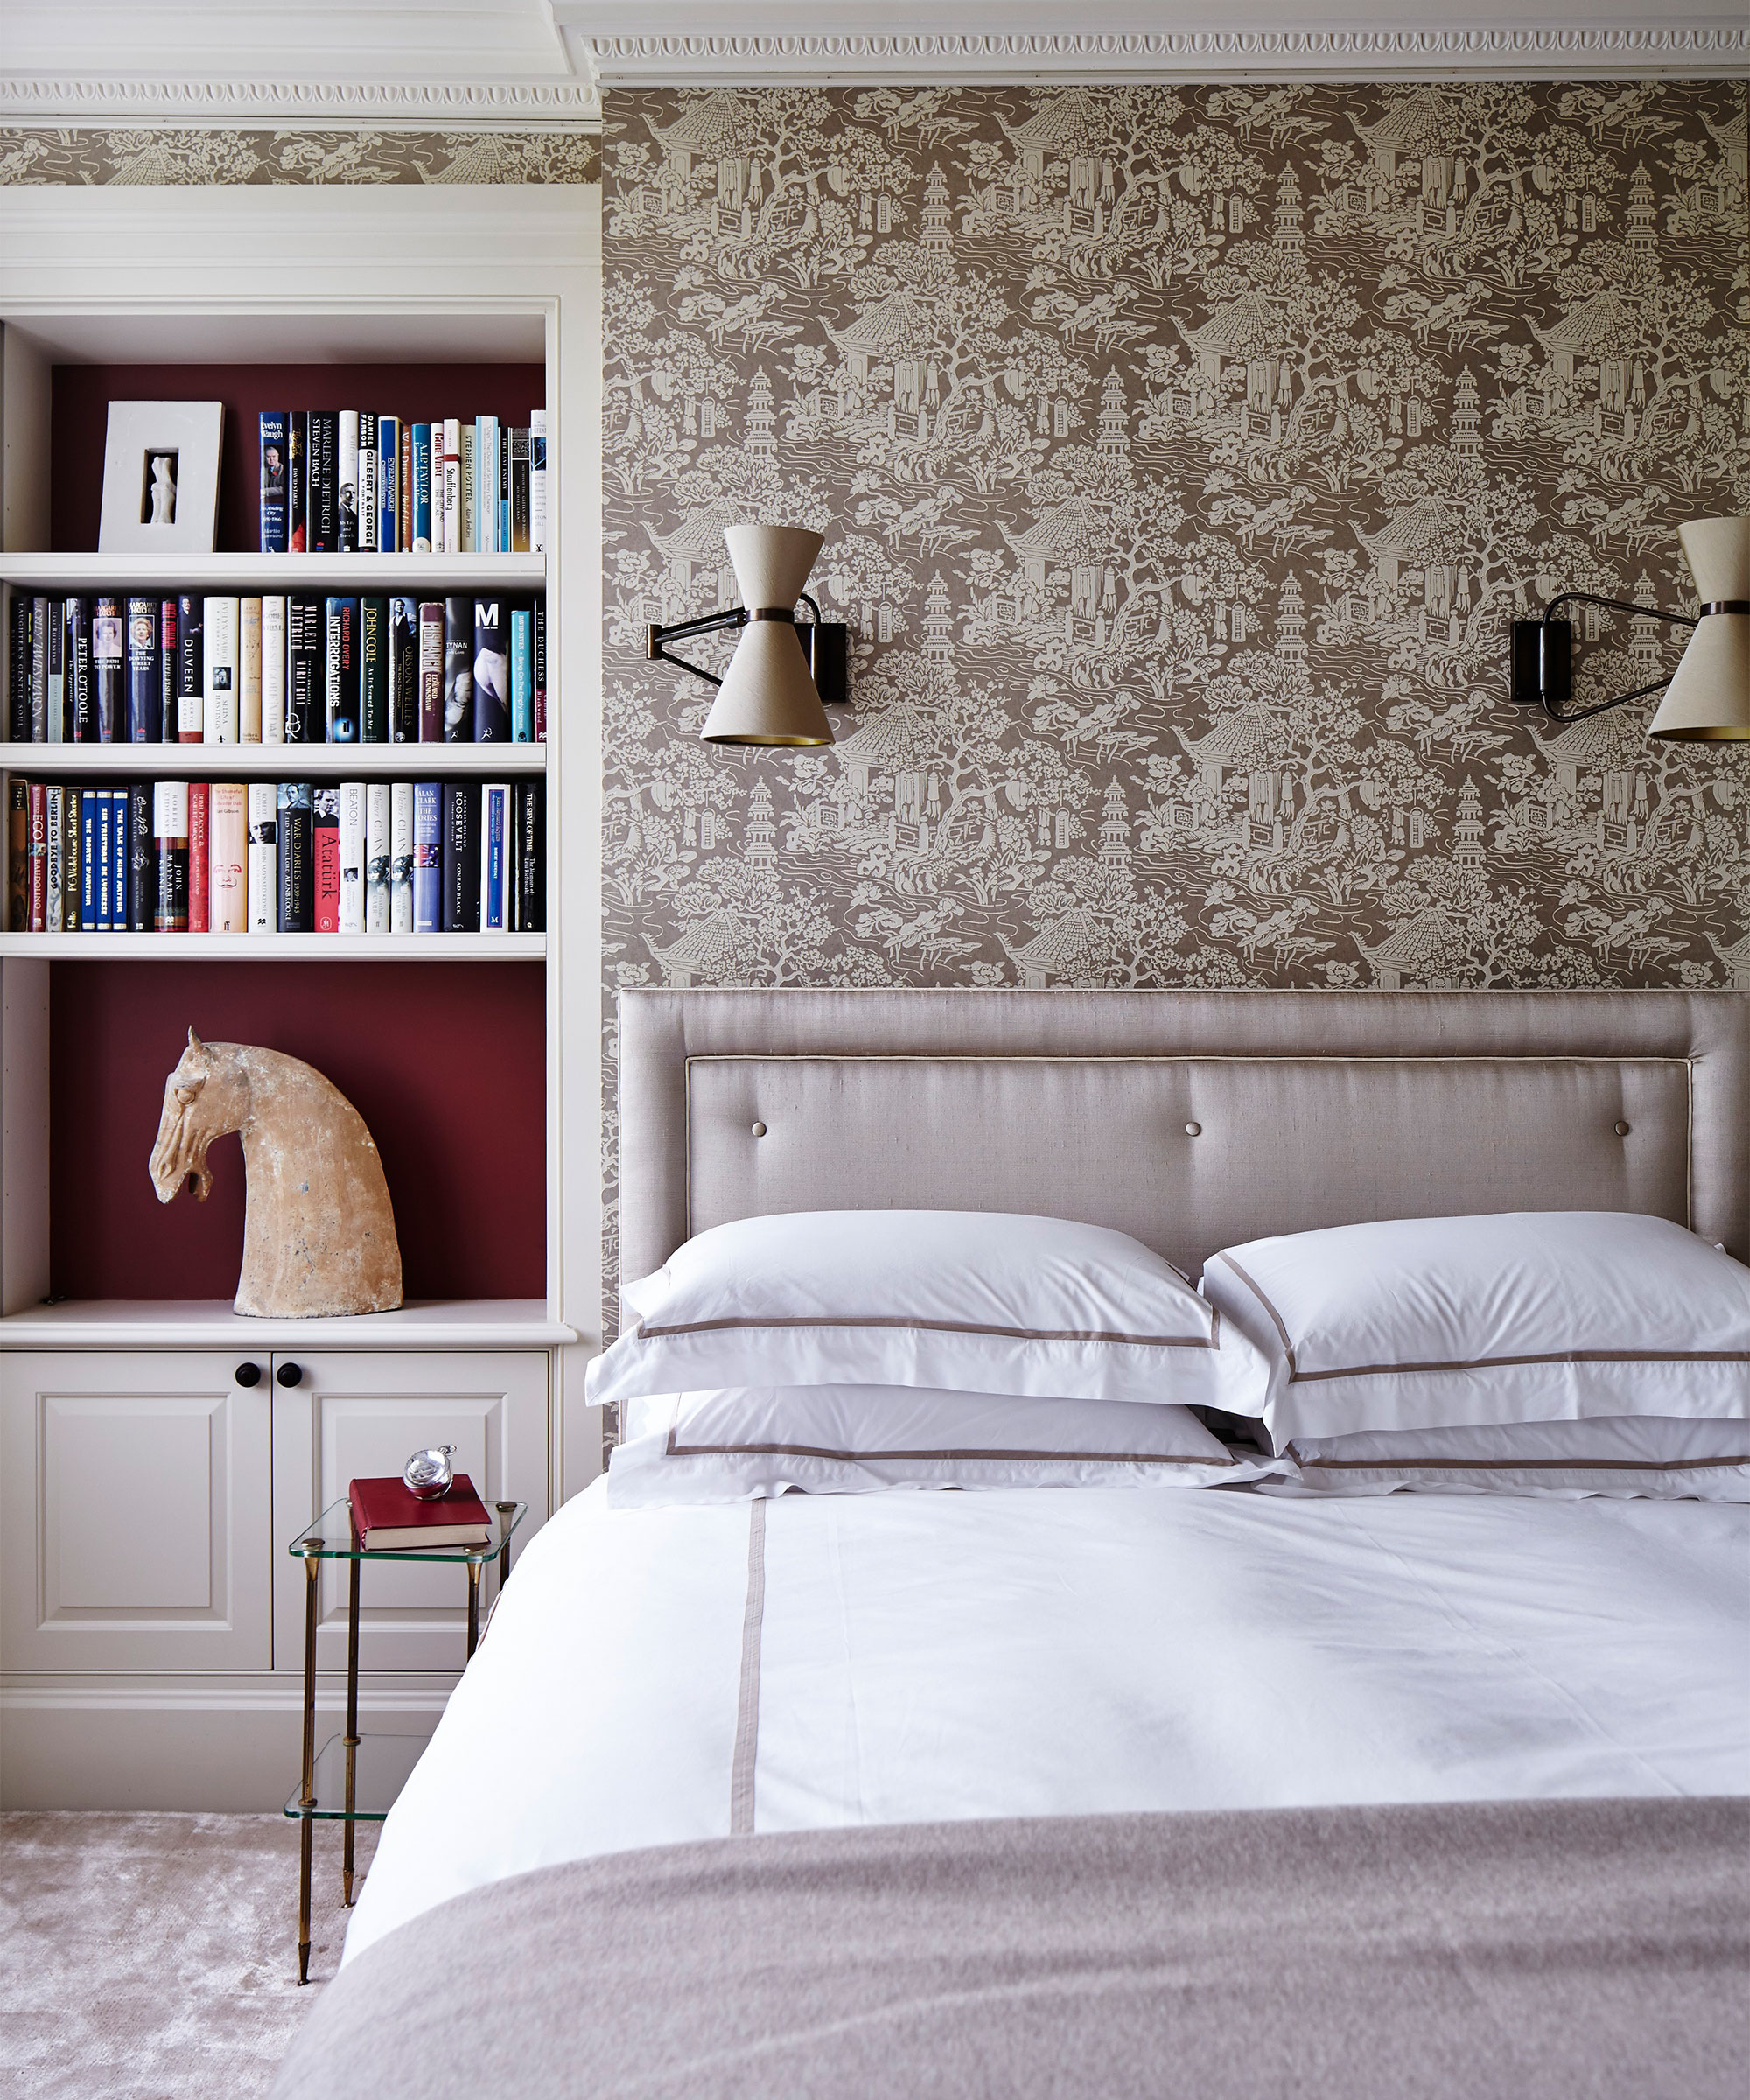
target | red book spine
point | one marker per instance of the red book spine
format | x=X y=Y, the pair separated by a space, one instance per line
x=39 y=857
x=325 y=856
x=199 y=835
x=406 y=486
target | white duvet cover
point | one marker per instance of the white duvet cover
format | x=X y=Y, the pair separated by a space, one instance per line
x=915 y=1656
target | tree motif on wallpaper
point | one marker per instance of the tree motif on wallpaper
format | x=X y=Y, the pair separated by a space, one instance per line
x=1183 y=455
x=186 y=157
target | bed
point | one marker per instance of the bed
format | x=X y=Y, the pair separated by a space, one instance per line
x=1050 y=1789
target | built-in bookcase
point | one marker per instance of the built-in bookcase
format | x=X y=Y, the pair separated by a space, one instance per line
x=500 y=1140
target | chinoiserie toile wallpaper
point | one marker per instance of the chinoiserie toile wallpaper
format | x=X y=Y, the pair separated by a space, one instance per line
x=191 y=156
x=1183 y=455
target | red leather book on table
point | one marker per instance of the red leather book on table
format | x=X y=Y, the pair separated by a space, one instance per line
x=389 y=1517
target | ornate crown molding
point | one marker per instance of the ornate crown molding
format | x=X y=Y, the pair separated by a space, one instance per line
x=34 y=100
x=1652 y=47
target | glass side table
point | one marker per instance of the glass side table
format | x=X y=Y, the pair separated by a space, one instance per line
x=354 y=1778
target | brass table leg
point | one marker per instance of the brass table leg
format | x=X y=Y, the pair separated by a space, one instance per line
x=504 y=1510
x=313 y=1564
x=473 y=1607
x=351 y=1730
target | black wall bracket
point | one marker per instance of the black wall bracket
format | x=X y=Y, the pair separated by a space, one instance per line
x=1543 y=656
x=826 y=643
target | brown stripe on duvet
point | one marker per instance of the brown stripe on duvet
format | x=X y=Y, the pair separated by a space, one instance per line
x=811 y=1451
x=948 y=1327
x=1511 y=1464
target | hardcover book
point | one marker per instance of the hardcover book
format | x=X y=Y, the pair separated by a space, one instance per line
x=325 y=856
x=540 y=627
x=501 y=451
x=118 y=860
x=496 y=857
x=370 y=502
x=145 y=671
x=143 y=859
x=57 y=662
x=388 y=484
x=341 y=665
x=71 y=876
x=403 y=670
x=200 y=856
x=90 y=880
x=519 y=491
x=295 y=893
x=466 y=439
x=450 y=481
x=538 y=480
x=274 y=480
x=18 y=672
x=461 y=856
x=428 y=857
x=273 y=671
x=17 y=854
x=486 y=485
x=374 y=670
x=401 y=857
x=264 y=808
x=323 y=534
x=228 y=884
x=191 y=671
x=250 y=670
x=221 y=714
x=108 y=669
x=55 y=809
x=307 y=687
x=422 y=488
x=37 y=871
x=521 y=675
x=352 y=856
x=459 y=670
x=346 y=471
x=81 y=695
x=529 y=914
x=170 y=830
x=297 y=480
x=39 y=670
x=432 y=671
x=491 y=722
x=170 y=672
x=389 y=1517
x=376 y=857
x=103 y=861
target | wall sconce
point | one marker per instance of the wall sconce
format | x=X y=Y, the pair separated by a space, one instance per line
x=773 y=690
x=1707 y=697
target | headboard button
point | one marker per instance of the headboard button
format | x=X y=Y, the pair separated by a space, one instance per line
x=760 y=1130
x=1194 y=1129
x=1621 y=1129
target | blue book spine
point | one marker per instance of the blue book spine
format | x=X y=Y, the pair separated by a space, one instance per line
x=422 y=489
x=388 y=484
x=118 y=860
x=483 y=510
x=106 y=864
x=275 y=479
x=521 y=675
x=145 y=672
x=89 y=883
x=428 y=857
x=494 y=844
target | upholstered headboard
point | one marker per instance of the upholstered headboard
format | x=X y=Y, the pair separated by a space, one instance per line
x=1188 y=1119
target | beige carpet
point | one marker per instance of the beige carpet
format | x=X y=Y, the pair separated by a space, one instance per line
x=155 y=1957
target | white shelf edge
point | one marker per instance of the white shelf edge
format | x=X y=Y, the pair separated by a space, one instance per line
x=275 y=572
x=279 y=947
x=185 y=1323
x=275 y=761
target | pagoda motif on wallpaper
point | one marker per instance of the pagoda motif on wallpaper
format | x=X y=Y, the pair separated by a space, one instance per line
x=1183 y=455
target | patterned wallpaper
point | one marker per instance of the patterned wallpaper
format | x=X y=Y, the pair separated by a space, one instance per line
x=202 y=157
x=1183 y=455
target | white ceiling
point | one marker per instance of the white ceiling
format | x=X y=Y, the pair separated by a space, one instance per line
x=517 y=61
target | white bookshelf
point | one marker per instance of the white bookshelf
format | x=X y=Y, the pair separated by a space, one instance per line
x=405 y=275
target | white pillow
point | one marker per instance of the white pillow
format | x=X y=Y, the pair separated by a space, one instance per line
x=1651 y=1455
x=960 y=1301
x=1534 y=1316
x=735 y=1445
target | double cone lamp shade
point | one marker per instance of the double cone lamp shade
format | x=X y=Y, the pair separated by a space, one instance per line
x=1708 y=700
x=768 y=695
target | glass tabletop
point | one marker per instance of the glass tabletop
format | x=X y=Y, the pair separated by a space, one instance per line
x=333 y=1529
x=379 y=1771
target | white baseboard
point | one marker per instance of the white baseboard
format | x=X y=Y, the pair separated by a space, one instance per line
x=217 y=1743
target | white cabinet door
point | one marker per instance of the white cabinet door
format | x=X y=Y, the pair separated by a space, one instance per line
x=358 y=1414
x=135 y=1511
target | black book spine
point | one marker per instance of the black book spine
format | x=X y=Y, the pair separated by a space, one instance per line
x=305 y=685
x=297 y=480
x=374 y=670
x=297 y=890
x=529 y=912
x=403 y=670
x=461 y=856
x=491 y=672
x=79 y=695
x=459 y=670
x=340 y=669
x=170 y=672
x=191 y=668
x=273 y=441
x=39 y=670
x=109 y=669
x=323 y=536
x=18 y=672
x=145 y=671
x=143 y=859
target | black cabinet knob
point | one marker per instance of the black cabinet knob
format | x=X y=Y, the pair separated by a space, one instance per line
x=290 y=1374
x=248 y=1373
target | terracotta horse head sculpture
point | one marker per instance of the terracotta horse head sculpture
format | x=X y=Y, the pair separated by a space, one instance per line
x=318 y=1231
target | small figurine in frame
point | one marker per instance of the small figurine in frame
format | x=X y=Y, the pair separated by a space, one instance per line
x=161 y=477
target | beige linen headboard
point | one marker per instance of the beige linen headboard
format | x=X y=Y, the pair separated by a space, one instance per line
x=1189 y=1119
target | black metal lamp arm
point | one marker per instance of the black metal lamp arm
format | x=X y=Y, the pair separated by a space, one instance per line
x=1615 y=605
x=656 y=640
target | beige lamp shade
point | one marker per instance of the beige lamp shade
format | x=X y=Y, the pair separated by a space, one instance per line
x=768 y=695
x=1708 y=701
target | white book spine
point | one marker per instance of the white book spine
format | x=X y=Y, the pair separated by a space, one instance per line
x=482 y=545
x=352 y=856
x=264 y=856
x=54 y=804
x=452 y=484
x=376 y=857
x=370 y=463
x=273 y=671
x=538 y=480
x=249 y=664
x=347 y=476
x=496 y=848
x=219 y=649
x=469 y=503
x=401 y=857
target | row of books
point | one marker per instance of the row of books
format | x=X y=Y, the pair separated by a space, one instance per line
x=344 y=481
x=295 y=669
x=287 y=857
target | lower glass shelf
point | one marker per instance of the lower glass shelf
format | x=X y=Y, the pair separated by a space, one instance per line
x=380 y=1772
